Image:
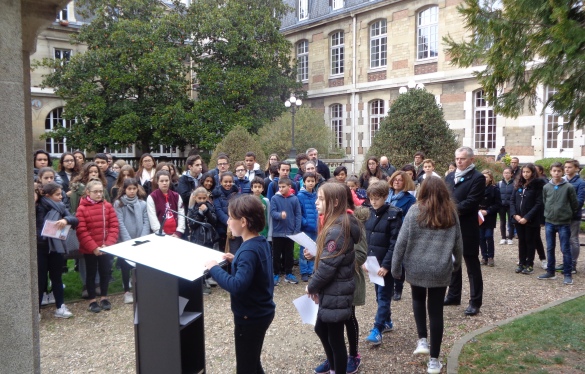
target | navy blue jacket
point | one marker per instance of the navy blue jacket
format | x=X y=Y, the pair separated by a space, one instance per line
x=309 y=210
x=506 y=191
x=187 y=184
x=292 y=223
x=244 y=185
x=251 y=282
x=579 y=186
x=381 y=232
x=221 y=199
x=527 y=202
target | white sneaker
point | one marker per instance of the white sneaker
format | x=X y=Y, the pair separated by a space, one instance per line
x=434 y=366
x=63 y=312
x=422 y=347
x=544 y=264
x=45 y=299
x=50 y=298
x=503 y=241
x=509 y=242
x=128 y=298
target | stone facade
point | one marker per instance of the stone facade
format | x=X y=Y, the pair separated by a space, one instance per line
x=455 y=88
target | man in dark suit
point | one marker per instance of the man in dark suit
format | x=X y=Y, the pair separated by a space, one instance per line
x=467 y=187
x=322 y=168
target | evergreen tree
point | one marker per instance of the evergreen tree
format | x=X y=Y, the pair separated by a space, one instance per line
x=414 y=123
x=525 y=44
x=131 y=85
x=236 y=144
x=311 y=131
x=242 y=64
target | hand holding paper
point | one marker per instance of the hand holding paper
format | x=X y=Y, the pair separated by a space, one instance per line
x=373 y=268
x=304 y=240
x=307 y=309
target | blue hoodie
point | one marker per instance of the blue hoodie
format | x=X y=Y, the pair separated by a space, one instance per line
x=244 y=185
x=579 y=186
x=309 y=210
x=292 y=223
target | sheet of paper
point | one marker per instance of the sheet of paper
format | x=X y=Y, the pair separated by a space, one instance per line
x=168 y=254
x=182 y=304
x=307 y=309
x=480 y=217
x=187 y=317
x=51 y=230
x=373 y=267
x=304 y=240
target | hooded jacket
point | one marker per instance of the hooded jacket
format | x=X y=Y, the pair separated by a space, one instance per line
x=221 y=200
x=292 y=223
x=308 y=210
x=382 y=230
x=560 y=202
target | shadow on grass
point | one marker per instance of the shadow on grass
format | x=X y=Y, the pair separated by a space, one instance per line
x=551 y=341
x=74 y=286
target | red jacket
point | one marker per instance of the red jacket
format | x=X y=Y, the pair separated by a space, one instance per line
x=98 y=225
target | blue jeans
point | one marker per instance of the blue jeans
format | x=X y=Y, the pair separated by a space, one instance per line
x=306 y=266
x=565 y=239
x=486 y=242
x=384 y=297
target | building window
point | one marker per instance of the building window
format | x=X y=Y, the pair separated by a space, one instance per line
x=64 y=55
x=559 y=134
x=303 y=61
x=303 y=9
x=337 y=52
x=378 y=43
x=427 y=33
x=336 y=4
x=485 y=122
x=337 y=124
x=53 y=121
x=164 y=150
x=123 y=152
x=63 y=15
x=377 y=113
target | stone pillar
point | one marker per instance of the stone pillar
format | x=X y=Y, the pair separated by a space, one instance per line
x=20 y=21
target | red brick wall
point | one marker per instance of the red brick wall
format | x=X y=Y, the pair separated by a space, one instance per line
x=337 y=82
x=425 y=68
x=377 y=76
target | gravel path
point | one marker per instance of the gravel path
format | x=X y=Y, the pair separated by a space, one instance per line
x=104 y=342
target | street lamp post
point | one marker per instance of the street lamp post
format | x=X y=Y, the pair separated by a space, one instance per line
x=293 y=103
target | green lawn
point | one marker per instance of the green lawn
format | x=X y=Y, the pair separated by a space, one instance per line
x=551 y=341
x=73 y=285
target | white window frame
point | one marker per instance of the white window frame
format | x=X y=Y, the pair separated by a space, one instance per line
x=377 y=114
x=558 y=141
x=337 y=4
x=56 y=147
x=303 y=10
x=484 y=122
x=64 y=55
x=124 y=152
x=165 y=151
x=427 y=34
x=303 y=61
x=337 y=53
x=379 y=44
x=63 y=14
x=336 y=115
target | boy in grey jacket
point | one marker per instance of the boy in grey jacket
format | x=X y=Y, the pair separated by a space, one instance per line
x=560 y=204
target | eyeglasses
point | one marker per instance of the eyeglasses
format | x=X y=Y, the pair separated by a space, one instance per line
x=240 y=170
x=97 y=192
x=222 y=164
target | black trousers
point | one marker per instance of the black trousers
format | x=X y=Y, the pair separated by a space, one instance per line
x=103 y=264
x=475 y=282
x=52 y=263
x=353 y=333
x=282 y=253
x=331 y=336
x=527 y=243
x=435 y=310
x=249 y=340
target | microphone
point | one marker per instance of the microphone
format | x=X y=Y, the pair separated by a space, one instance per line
x=162 y=224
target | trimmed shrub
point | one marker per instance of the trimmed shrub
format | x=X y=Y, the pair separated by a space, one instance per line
x=236 y=144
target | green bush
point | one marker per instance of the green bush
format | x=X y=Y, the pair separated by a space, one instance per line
x=415 y=123
x=547 y=162
x=482 y=163
x=236 y=144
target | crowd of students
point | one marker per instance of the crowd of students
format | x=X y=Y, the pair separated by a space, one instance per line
x=418 y=226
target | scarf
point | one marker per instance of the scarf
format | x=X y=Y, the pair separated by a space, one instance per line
x=393 y=197
x=461 y=173
x=91 y=200
x=57 y=211
x=133 y=214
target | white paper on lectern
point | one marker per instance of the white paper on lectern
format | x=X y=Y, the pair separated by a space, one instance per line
x=307 y=309
x=167 y=254
x=373 y=266
x=304 y=240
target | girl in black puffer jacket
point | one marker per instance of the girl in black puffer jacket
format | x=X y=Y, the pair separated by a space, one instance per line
x=332 y=284
x=489 y=207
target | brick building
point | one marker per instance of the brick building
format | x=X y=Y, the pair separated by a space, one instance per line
x=354 y=56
